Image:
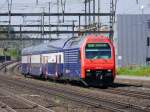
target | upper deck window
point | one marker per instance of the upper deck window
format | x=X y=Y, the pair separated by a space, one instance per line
x=98 y=51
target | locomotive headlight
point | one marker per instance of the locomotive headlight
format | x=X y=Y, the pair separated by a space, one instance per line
x=88 y=73
x=88 y=70
x=109 y=70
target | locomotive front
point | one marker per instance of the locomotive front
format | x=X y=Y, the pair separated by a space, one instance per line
x=98 y=61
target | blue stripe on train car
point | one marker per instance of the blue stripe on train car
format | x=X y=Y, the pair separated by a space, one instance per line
x=35 y=69
x=53 y=68
x=72 y=65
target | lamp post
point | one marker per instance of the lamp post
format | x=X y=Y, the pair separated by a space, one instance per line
x=142 y=9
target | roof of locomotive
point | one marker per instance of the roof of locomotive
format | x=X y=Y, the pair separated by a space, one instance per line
x=56 y=45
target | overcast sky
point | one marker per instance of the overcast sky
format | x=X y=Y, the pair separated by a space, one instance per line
x=131 y=7
x=124 y=6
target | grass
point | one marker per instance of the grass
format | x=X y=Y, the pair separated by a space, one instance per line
x=134 y=71
x=9 y=52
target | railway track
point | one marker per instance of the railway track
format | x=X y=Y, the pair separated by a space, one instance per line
x=3 y=65
x=90 y=100
x=137 y=83
x=5 y=108
x=85 y=99
x=10 y=102
x=18 y=103
x=131 y=93
x=82 y=98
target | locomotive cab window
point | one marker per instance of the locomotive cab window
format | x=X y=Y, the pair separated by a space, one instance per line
x=98 y=51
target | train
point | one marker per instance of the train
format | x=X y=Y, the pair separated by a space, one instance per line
x=88 y=59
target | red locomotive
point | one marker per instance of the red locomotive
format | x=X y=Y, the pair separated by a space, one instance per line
x=89 y=59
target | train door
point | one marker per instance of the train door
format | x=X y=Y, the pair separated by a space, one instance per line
x=45 y=60
x=40 y=64
x=29 y=64
x=45 y=63
x=56 y=66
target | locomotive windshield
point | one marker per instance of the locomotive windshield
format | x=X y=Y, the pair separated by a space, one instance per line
x=98 y=51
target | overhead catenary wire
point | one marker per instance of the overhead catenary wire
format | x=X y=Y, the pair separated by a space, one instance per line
x=62 y=10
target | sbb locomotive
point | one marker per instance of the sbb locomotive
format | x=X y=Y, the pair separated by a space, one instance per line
x=89 y=59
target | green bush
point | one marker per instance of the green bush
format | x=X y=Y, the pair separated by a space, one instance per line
x=134 y=71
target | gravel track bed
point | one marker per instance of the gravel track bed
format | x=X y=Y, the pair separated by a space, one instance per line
x=19 y=104
x=110 y=96
x=5 y=108
x=48 y=100
x=57 y=104
x=138 y=89
x=137 y=83
x=141 y=93
x=98 y=93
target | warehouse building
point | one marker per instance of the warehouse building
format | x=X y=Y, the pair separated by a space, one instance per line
x=133 y=39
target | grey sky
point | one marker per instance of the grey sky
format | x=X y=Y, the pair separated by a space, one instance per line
x=130 y=7
x=123 y=7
